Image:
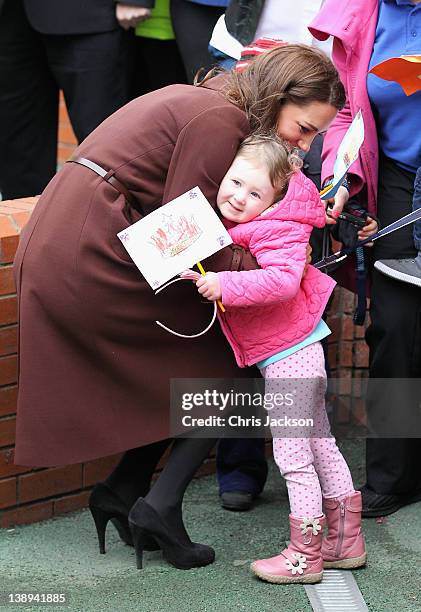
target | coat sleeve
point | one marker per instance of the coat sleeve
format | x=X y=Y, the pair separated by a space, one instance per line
x=282 y=258
x=204 y=150
x=340 y=125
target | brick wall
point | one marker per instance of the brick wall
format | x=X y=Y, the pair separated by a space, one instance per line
x=30 y=495
x=66 y=137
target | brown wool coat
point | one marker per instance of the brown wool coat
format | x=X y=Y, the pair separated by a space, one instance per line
x=94 y=367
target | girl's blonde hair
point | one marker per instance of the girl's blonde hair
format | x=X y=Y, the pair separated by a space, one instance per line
x=294 y=73
x=276 y=156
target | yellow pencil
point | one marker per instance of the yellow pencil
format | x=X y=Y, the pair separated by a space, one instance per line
x=325 y=190
x=203 y=273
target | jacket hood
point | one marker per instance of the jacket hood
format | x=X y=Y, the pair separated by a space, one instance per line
x=301 y=203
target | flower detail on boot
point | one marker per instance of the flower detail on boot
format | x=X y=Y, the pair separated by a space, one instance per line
x=299 y=566
x=314 y=524
x=301 y=562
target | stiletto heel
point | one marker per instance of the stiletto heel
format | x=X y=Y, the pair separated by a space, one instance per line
x=145 y=522
x=101 y=519
x=106 y=506
x=138 y=541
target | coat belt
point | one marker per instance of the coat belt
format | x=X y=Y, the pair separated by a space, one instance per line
x=107 y=175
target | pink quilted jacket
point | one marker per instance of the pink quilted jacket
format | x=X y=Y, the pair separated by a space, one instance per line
x=273 y=308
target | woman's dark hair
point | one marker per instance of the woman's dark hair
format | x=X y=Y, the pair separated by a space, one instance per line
x=292 y=73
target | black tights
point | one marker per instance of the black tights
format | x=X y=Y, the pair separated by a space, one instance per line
x=131 y=478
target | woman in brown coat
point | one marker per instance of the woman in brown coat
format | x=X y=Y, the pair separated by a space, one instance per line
x=94 y=367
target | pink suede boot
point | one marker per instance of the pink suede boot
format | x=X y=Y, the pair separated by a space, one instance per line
x=302 y=560
x=344 y=546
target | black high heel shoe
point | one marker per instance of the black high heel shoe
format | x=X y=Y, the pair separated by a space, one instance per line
x=106 y=506
x=145 y=522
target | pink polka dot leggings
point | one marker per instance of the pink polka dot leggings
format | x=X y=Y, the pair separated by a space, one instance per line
x=312 y=465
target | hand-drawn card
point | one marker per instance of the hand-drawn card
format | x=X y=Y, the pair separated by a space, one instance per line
x=347 y=154
x=174 y=237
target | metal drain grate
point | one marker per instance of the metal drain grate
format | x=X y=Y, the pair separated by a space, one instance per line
x=338 y=592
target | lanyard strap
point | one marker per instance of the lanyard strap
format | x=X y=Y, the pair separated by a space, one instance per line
x=413 y=216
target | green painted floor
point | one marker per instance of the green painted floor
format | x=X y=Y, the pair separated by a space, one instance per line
x=61 y=556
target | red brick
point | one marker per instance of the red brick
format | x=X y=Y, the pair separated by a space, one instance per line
x=357 y=381
x=348 y=328
x=7 y=284
x=8 y=310
x=344 y=382
x=8 y=369
x=359 y=412
x=20 y=218
x=7 y=493
x=63 y=116
x=8 y=340
x=343 y=410
x=333 y=354
x=360 y=330
x=66 y=133
x=334 y=324
x=65 y=152
x=361 y=354
x=345 y=354
x=7 y=227
x=7 y=466
x=99 y=469
x=27 y=514
x=7 y=431
x=348 y=301
x=47 y=483
x=10 y=206
x=70 y=503
x=335 y=306
x=8 y=398
x=8 y=246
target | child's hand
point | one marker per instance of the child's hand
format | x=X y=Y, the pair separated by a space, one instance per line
x=371 y=227
x=209 y=286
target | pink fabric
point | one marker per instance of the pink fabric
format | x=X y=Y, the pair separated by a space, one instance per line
x=273 y=308
x=312 y=466
x=353 y=27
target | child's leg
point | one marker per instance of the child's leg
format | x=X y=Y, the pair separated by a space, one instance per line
x=294 y=459
x=331 y=467
x=294 y=455
x=302 y=560
x=344 y=546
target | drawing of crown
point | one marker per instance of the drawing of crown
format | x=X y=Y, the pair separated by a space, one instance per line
x=174 y=237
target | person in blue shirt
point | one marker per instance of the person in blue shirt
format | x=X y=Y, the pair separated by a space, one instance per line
x=366 y=33
x=399 y=118
x=408 y=269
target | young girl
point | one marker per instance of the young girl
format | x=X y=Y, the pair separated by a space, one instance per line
x=273 y=319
